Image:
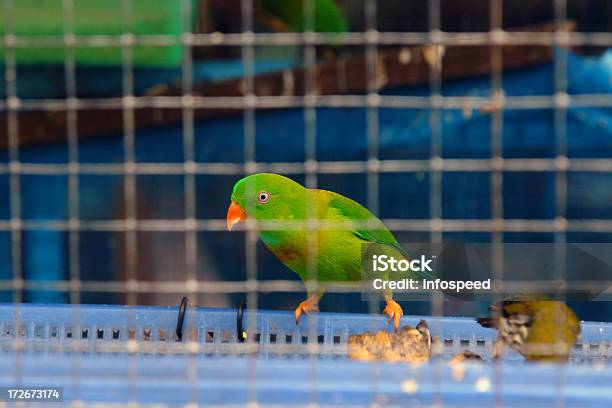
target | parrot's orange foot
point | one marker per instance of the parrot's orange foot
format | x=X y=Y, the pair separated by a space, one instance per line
x=394 y=311
x=307 y=306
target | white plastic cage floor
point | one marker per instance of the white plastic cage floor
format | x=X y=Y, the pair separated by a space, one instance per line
x=98 y=328
x=132 y=354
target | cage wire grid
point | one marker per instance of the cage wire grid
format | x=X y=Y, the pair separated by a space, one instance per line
x=247 y=40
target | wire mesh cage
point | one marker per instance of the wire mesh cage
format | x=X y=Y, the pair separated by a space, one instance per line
x=126 y=123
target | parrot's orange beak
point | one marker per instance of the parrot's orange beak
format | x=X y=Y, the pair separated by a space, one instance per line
x=234 y=215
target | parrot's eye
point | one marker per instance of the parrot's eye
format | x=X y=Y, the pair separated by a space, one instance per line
x=263 y=197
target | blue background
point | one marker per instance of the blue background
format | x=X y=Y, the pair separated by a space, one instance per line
x=341 y=135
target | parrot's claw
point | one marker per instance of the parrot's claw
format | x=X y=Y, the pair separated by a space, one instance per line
x=394 y=311
x=307 y=306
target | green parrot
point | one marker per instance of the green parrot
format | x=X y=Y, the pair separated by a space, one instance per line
x=288 y=15
x=272 y=198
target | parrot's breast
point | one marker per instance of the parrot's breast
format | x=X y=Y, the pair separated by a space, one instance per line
x=337 y=254
x=288 y=246
x=288 y=253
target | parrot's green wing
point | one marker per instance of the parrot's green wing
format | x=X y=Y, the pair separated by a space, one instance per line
x=345 y=208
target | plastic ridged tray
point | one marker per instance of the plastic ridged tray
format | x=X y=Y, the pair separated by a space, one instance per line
x=131 y=354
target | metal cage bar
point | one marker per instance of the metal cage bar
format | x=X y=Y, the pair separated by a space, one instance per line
x=436 y=166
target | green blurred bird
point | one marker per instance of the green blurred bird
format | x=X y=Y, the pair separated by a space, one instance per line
x=288 y=16
x=275 y=198
x=540 y=330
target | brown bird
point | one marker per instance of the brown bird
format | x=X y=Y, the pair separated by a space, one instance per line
x=540 y=330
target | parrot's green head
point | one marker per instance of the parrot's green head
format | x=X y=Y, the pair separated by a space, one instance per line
x=267 y=197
